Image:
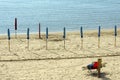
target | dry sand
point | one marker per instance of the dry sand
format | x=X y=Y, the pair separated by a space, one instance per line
x=58 y=63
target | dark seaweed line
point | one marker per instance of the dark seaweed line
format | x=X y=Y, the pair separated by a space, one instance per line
x=57 y=58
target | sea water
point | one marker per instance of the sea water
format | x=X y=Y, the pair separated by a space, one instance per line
x=57 y=14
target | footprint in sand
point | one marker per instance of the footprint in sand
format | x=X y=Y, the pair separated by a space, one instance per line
x=3 y=69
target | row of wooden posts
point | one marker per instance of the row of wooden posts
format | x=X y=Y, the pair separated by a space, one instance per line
x=64 y=35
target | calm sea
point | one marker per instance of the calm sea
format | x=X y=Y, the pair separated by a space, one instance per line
x=56 y=14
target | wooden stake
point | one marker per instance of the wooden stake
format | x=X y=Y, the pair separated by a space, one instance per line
x=64 y=43
x=28 y=44
x=81 y=43
x=9 y=44
x=99 y=67
x=115 y=42
x=46 y=43
x=98 y=42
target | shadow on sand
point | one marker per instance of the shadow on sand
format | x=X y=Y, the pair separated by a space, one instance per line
x=102 y=75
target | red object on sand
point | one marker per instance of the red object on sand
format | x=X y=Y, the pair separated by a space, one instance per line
x=95 y=65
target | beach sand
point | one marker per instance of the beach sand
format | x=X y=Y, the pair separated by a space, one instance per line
x=57 y=63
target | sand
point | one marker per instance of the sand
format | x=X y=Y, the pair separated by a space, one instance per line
x=57 y=63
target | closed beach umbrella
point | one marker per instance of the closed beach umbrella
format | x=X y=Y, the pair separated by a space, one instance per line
x=81 y=31
x=99 y=34
x=28 y=33
x=15 y=23
x=9 y=39
x=8 y=34
x=115 y=33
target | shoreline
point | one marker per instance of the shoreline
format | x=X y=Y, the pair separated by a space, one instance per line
x=84 y=30
x=68 y=32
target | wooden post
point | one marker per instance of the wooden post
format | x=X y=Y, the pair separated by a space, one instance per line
x=81 y=43
x=9 y=44
x=115 y=42
x=98 y=42
x=115 y=35
x=9 y=39
x=28 y=37
x=46 y=38
x=99 y=67
x=99 y=37
x=64 y=36
x=39 y=31
x=64 y=43
x=28 y=43
x=15 y=27
x=46 y=44
x=81 y=31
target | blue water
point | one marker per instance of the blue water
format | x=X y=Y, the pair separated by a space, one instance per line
x=56 y=14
